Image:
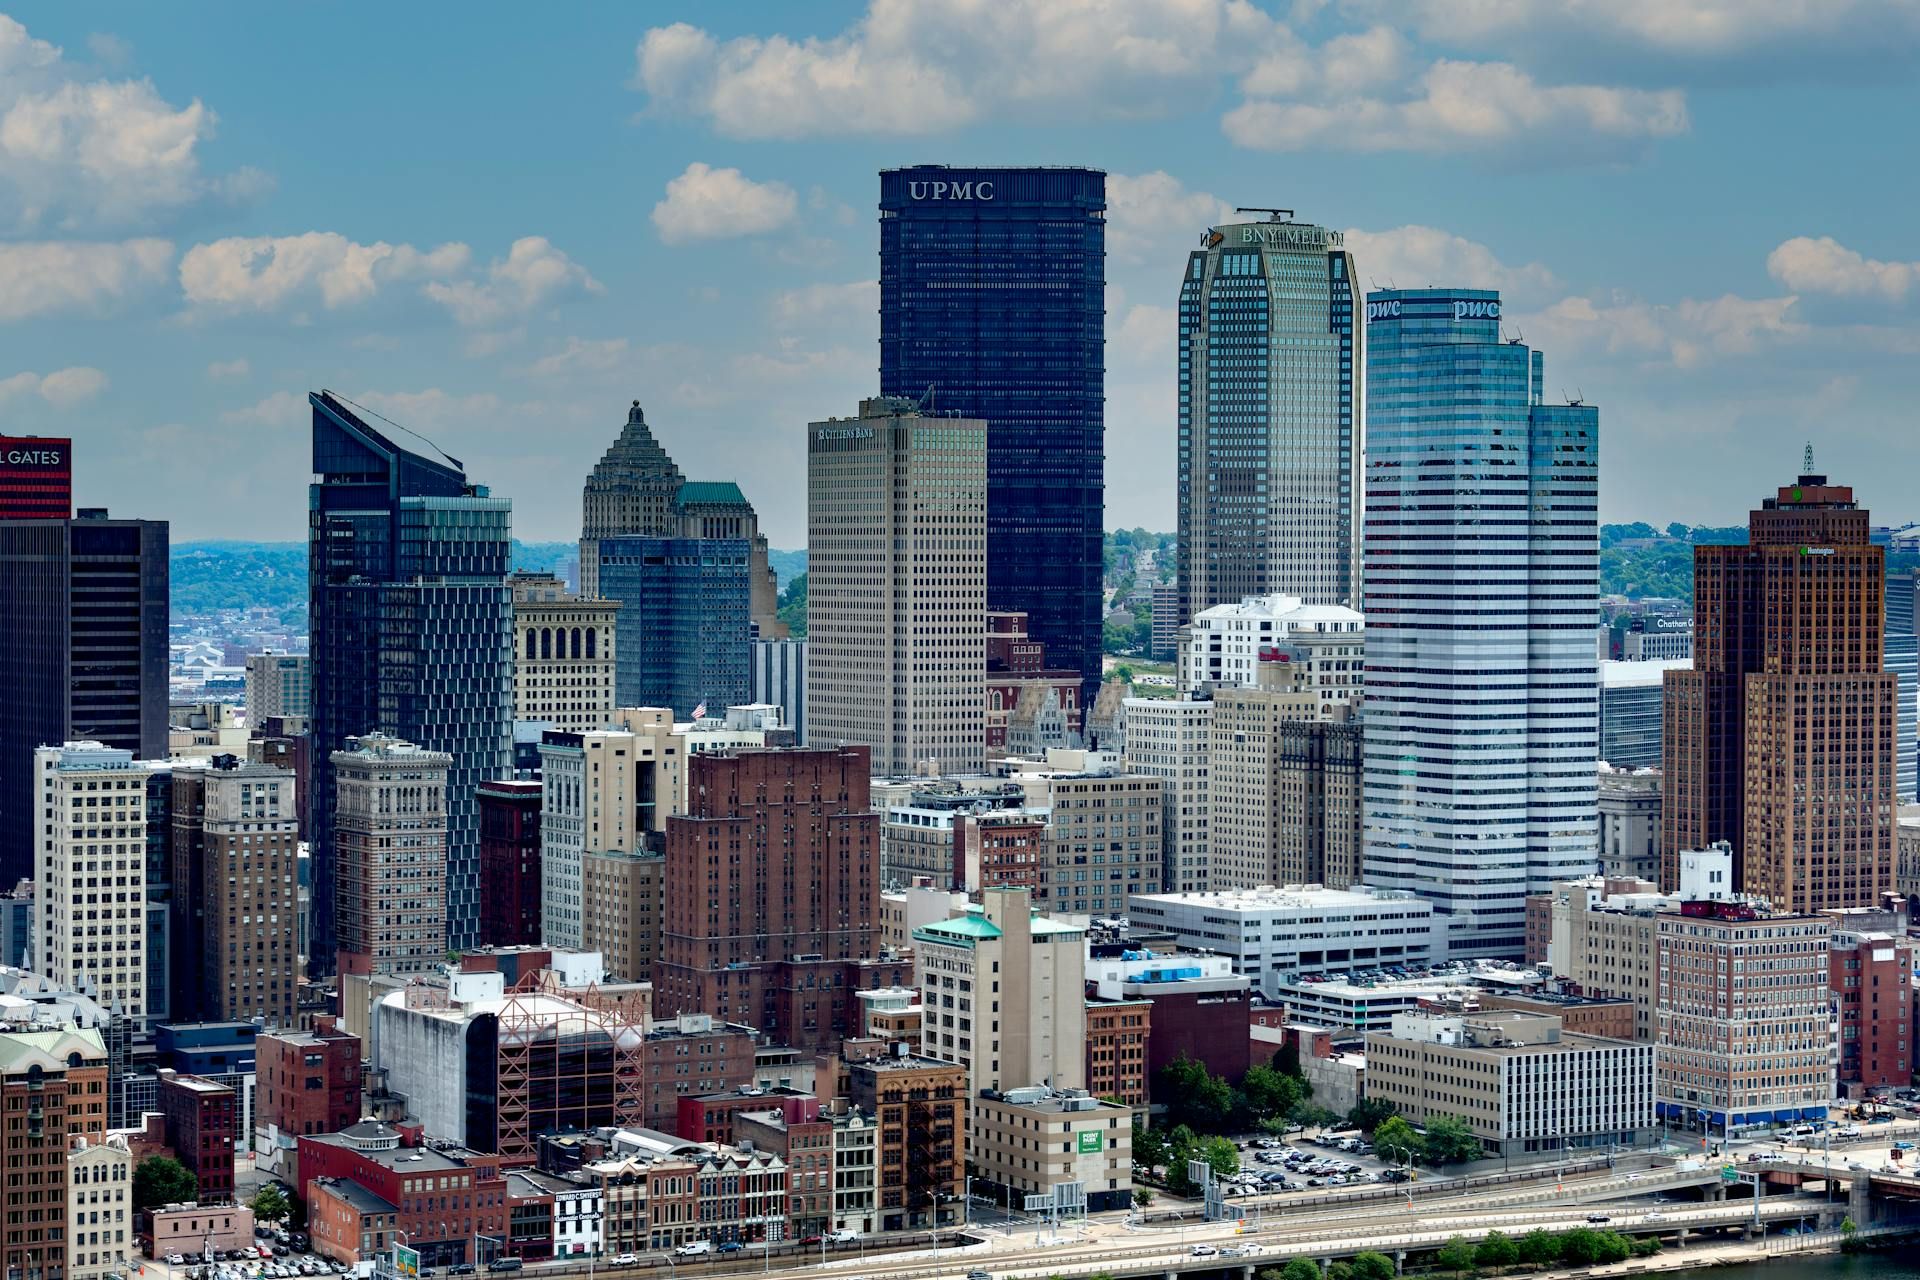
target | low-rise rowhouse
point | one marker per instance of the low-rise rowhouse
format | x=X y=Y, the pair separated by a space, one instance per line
x=1523 y=1084
x=659 y=1191
x=1037 y=1141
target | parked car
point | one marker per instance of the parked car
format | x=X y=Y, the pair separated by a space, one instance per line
x=844 y=1236
x=505 y=1264
x=731 y=1246
x=808 y=1241
x=624 y=1260
x=695 y=1248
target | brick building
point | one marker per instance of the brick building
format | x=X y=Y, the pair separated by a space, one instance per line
x=1118 y=1032
x=771 y=873
x=919 y=1110
x=1871 y=977
x=53 y=1085
x=710 y=1117
x=690 y=1055
x=305 y=1082
x=202 y=1126
x=509 y=862
x=371 y=1186
x=622 y=894
x=803 y=1138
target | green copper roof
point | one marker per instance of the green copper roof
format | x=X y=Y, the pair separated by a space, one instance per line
x=711 y=493
x=21 y=1049
x=962 y=929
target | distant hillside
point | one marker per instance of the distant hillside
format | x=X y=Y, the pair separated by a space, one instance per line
x=209 y=576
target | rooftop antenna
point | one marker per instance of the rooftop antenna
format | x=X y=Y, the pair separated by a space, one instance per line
x=1575 y=400
x=1273 y=215
x=1806 y=460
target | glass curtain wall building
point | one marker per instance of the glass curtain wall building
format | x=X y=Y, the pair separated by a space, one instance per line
x=1903 y=659
x=1482 y=573
x=411 y=623
x=685 y=637
x=992 y=297
x=1269 y=449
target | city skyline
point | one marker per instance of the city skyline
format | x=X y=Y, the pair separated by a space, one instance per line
x=179 y=309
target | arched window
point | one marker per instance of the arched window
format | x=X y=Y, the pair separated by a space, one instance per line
x=591 y=631
x=576 y=643
x=531 y=642
x=546 y=642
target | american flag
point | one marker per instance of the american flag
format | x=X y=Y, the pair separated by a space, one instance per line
x=699 y=711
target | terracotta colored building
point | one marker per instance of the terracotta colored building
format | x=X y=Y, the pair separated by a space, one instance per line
x=1016 y=662
x=370 y=1181
x=919 y=1107
x=202 y=1125
x=796 y=1132
x=307 y=1081
x=1611 y=1019
x=509 y=862
x=691 y=1055
x=1539 y=927
x=710 y=1117
x=771 y=872
x=1781 y=738
x=1118 y=1033
x=1871 y=976
x=53 y=1085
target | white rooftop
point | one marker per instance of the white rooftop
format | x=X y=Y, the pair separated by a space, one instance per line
x=1635 y=675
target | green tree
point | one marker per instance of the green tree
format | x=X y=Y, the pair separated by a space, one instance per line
x=1497 y=1250
x=1149 y=1146
x=1580 y=1247
x=1340 y=1270
x=1369 y=1112
x=1646 y=1246
x=1848 y=1226
x=1313 y=1115
x=1220 y=1154
x=1287 y=1063
x=1396 y=1140
x=270 y=1204
x=1269 y=1093
x=1456 y=1255
x=1300 y=1269
x=793 y=605
x=1195 y=1096
x=1538 y=1248
x=1142 y=1197
x=1372 y=1266
x=1450 y=1141
x=1612 y=1247
x=159 y=1180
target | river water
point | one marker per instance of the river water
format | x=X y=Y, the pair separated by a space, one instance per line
x=1898 y=1263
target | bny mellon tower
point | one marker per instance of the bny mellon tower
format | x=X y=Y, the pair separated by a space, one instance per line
x=1269 y=447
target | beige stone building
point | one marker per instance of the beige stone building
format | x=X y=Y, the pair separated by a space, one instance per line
x=1606 y=941
x=1285 y=777
x=623 y=895
x=390 y=834
x=1630 y=823
x=1003 y=994
x=1172 y=739
x=1524 y=1084
x=897 y=587
x=1037 y=1141
x=100 y=1240
x=90 y=872
x=563 y=654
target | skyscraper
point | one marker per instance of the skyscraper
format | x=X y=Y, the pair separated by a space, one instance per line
x=1482 y=572
x=1781 y=739
x=412 y=633
x=1269 y=447
x=87 y=931
x=897 y=586
x=391 y=857
x=686 y=633
x=992 y=298
x=83 y=652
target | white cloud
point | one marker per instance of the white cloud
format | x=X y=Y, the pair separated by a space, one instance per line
x=63 y=388
x=1678 y=28
x=221 y=370
x=1825 y=265
x=1469 y=107
x=532 y=273
x=705 y=203
x=582 y=355
x=433 y=407
x=262 y=273
x=815 y=302
x=1685 y=334
x=77 y=151
x=908 y=67
x=1414 y=257
x=282 y=408
x=38 y=277
x=1149 y=214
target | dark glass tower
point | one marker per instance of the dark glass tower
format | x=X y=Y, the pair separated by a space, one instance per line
x=412 y=634
x=992 y=295
x=83 y=653
x=684 y=635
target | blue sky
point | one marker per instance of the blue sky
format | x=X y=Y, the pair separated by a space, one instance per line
x=499 y=223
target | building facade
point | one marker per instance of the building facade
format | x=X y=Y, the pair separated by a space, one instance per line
x=897 y=586
x=1524 y=1085
x=1630 y=712
x=203 y=1129
x=1871 y=977
x=83 y=653
x=1630 y=823
x=1781 y=739
x=234 y=936
x=278 y=684
x=919 y=1110
x=624 y=895
x=564 y=649
x=1118 y=1032
x=686 y=621
x=1226 y=644
x=55 y=1082
x=1744 y=1031
x=510 y=862
x=36 y=477
x=773 y=865
x=89 y=935
x=1068 y=1145
x=1482 y=715
x=411 y=625
x=1171 y=739
x=1004 y=994
x=1269 y=457
x=100 y=1240
x=391 y=864
x=993 y=293
x=780 y=678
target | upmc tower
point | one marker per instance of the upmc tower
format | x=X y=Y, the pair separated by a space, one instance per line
x=992 y=295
